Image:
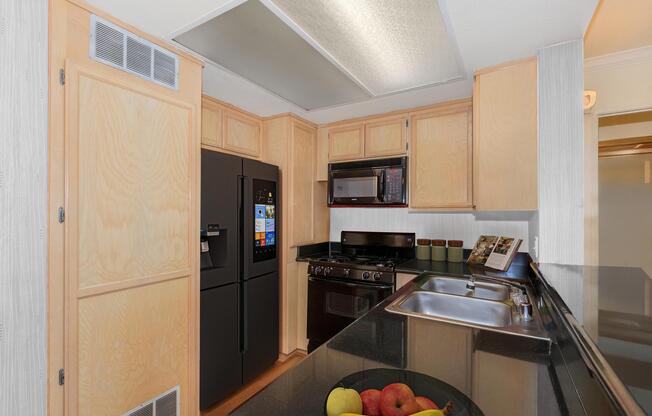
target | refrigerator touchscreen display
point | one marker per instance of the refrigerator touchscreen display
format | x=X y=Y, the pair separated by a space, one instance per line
x=265 y=220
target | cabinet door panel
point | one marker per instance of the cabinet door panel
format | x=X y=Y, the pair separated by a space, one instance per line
x=385 y=137
x=302 y=189
x=242 y=134
x=346 y=142
x=441 y=160
x=505 y=142
x=211 y=126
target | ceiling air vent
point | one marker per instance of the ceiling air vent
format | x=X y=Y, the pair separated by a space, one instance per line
x=112 y=45
x=166 y=404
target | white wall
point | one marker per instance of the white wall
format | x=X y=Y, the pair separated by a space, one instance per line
x=561 y=154
x=23 y=206
x=622 y=81
x=450 y=226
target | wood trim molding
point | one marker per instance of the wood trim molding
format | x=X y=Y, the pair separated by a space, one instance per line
x=624 y=147
x=504 y=65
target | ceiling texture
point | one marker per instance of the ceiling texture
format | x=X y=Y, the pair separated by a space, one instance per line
x=328 y=60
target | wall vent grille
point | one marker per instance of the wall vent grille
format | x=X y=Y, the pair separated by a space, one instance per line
x=114 y=46
x=166 y=404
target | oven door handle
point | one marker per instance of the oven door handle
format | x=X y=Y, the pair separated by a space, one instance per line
x=367 y=285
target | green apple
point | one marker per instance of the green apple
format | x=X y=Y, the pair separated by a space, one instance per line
x=341 y=400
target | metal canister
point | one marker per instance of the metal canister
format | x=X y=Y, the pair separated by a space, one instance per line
x=423 y=249
x=455 y=251
x=438 y=250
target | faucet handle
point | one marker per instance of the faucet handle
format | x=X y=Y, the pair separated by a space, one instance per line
x=526 y=311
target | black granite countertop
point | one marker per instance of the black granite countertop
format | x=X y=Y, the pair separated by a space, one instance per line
x=614 y=305
x=503 y=374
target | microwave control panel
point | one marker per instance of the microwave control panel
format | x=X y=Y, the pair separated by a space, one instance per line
x=394 y=185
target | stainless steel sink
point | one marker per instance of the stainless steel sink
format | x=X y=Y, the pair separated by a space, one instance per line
x=471 y=310
x=488 y=306
x=483 y=290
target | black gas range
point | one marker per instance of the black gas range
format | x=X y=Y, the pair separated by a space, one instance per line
x=344 y=286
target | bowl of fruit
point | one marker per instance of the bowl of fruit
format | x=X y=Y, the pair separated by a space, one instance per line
x=396 y=392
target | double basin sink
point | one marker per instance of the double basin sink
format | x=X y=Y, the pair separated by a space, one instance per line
x=475 y=302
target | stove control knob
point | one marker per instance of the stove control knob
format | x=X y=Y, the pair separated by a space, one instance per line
x=365 y=275
x=347 y=272
x=317 y=269
x=327 y=270
x=311 y=269
x=377 y=276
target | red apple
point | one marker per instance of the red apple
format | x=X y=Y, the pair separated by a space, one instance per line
x=371 y=402
x=425 y=403
x=397 y=399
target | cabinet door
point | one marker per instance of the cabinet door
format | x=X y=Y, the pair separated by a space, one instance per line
x=346 y=142
x=302 y=190
x=441 y=159
x=242 y=134
x=211 y=126
x=403 y=278
x=302 y=306
x=387 y=137
x=505 y=138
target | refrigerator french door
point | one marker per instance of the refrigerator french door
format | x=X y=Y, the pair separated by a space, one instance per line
x=239 y=325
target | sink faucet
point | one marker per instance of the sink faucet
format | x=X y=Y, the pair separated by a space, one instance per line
x=470 y=284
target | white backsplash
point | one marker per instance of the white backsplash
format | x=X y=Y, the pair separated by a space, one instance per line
x=466 y=226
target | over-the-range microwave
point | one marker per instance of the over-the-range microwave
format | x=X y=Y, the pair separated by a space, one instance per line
x=378 y=182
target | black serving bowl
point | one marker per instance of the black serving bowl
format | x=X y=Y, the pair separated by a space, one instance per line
x=422 y=385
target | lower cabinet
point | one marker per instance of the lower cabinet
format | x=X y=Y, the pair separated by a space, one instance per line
x=403 y=278
x=302 y=306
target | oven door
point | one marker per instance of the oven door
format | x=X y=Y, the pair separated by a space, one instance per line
x=356 y=187
x=333 y=305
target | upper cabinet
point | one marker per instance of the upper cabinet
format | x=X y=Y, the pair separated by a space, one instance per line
x=505 y=137
x=378 y=137
x=242 y=133
x=346 y=142
x=227 y=129
x=386 y=137
x=441 y=157
x=303 y=149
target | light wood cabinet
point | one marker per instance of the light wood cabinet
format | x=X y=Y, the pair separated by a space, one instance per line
x=302 y=306
x=385 y=137
x=441 y=158
x=505 y=137
x=302 y=155
x=346 y=142
x=403 y=278
x=211 y=125
x=321 y=166
x=242 y=133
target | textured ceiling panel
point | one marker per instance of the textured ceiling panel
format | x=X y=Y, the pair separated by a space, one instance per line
x=386 y=45
x=253 y=42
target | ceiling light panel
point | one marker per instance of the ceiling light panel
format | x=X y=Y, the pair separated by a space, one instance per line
x=254 y=43
x=385 y=45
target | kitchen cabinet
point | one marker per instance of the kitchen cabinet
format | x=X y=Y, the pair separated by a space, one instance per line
x=303 y=148
x=211 y=125
x=441 y=157
x=291 y=144
x=242 y=133
x=403 y=278
x=385 y=137
x=505 y=137
x=346 y=142
x=321 y=166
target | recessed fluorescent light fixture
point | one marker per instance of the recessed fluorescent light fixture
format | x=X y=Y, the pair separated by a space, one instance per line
x=384 y=46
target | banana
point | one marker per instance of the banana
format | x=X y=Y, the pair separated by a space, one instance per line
x=435 y=412
x=350 y=414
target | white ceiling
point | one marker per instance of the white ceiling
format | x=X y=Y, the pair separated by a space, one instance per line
x=487 y=32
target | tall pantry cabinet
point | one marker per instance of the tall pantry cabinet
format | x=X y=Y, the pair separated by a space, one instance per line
x=123 y=218
x=291 y=144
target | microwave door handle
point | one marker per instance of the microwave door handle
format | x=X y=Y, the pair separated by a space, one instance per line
x=381 y=186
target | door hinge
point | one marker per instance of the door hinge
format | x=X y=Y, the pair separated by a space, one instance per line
x=62 y=377
x=62 y=76
x=62 y=215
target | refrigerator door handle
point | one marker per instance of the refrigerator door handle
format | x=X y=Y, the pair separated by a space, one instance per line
x=245 y=317
x=239 y=259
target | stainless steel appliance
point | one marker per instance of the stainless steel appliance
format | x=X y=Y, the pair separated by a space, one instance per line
x=368 y=182
x=239 y=322
x=344 y=286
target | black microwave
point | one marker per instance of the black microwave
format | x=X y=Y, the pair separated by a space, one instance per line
x=378 y=182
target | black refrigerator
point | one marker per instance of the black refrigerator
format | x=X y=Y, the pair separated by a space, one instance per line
x=239 y=319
